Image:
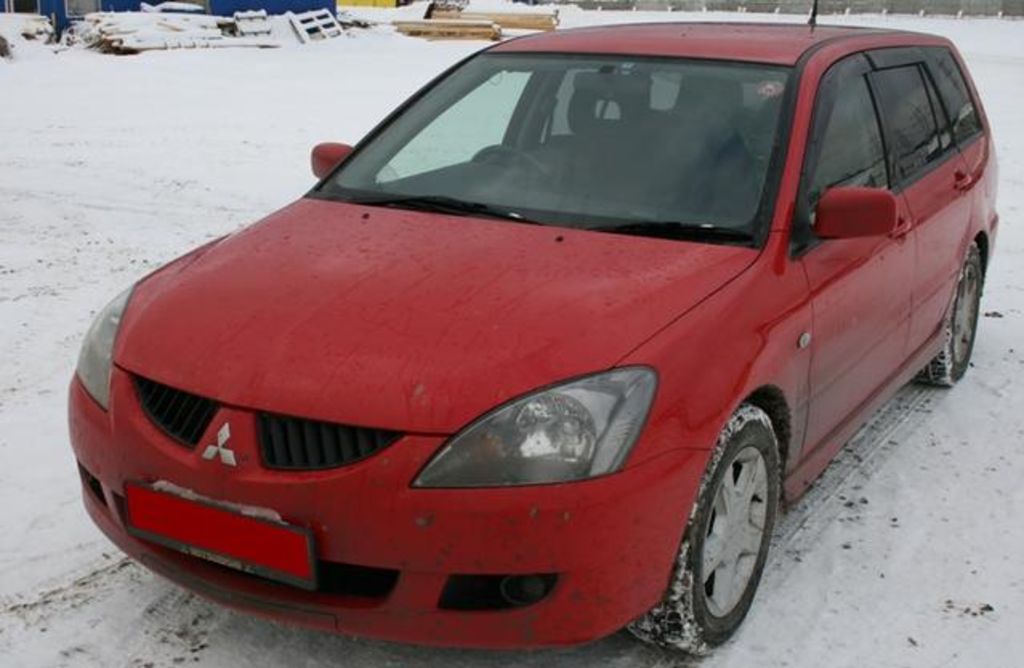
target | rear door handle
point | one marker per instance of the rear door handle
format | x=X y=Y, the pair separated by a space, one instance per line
x=962 y=180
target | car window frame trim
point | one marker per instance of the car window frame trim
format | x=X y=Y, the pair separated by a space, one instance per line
x=896 y=187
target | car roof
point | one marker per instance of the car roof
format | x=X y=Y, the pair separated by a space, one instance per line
x=780 y=44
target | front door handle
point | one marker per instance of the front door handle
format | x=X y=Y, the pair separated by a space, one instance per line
x=962 y=180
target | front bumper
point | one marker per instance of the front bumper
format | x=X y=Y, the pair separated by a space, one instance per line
x=612 y=540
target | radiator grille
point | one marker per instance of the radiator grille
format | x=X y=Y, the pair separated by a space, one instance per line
x=182 y=416
x=307 y=445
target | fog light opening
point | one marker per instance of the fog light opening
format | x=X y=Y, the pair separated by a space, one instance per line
x=495 y=592
x=520 y=590
x=93 y=484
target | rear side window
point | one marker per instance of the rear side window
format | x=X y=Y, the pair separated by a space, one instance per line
x=909 y=114
x=955 y=95
x=850 y=151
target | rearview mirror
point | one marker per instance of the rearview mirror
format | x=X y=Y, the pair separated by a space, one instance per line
x=848 y=213
x=327 y=156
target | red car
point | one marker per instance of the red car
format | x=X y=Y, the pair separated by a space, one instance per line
x=542 y=356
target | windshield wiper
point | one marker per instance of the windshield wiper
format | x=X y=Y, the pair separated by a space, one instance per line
x=443 y=204
x=671 y=229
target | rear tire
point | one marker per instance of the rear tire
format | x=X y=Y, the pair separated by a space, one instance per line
x=961 y=326
x=725 y=545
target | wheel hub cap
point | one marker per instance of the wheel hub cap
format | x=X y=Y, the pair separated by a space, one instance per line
x=735 y=531
x=965 y=312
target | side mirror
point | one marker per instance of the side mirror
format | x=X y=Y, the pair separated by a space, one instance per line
x=848 y=213
x=326 y=157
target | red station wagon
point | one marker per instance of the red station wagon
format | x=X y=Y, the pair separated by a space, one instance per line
x=544 y=354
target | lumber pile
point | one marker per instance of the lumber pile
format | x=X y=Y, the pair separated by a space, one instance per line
x=135 y=32
x=544 y=21
x=435 y=29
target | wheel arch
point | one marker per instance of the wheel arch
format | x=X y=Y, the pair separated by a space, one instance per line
x=772 y=400
x=981 y=239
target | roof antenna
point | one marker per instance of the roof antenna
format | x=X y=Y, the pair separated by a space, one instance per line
x=813 y=21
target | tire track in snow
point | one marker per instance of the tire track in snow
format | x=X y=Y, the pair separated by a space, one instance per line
x=63 y=598
x=862 y=455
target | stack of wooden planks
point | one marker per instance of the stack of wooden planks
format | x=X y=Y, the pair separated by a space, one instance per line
x=435 y=29
x=545 y=21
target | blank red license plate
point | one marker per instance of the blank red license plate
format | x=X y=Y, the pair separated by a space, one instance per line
x=252 y=544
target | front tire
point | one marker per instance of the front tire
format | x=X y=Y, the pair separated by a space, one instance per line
x=961 y=326
x=725 y=544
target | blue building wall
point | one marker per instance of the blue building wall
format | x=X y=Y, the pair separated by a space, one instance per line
x=57 y=10
x=229 y=7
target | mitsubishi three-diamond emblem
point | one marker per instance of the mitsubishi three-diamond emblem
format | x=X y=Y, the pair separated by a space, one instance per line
x=227 y=455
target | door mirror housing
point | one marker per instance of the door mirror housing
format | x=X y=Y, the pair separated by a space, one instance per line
x=326 y=157
x=849 y=213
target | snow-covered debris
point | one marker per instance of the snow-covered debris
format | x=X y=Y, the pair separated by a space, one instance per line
x=134 y=32
x=158 y=29
x=171 y=7
x=21 y=34
x=21 y=27
x=36 y=27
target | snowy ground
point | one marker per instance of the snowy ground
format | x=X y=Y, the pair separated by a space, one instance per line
x=908 y=553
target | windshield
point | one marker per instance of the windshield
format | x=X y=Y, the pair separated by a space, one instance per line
x=597 y=142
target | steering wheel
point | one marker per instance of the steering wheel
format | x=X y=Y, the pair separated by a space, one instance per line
x=499 y=154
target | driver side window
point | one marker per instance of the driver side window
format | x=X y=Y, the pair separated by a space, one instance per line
x=850 y=151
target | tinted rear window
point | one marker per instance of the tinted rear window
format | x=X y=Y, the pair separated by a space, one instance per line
x=954 y=93
x=910 y=117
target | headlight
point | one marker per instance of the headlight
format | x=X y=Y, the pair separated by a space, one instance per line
x=578 y=430
x=95 y=359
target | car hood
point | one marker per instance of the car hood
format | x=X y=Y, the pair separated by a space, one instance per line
x=405 y=320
